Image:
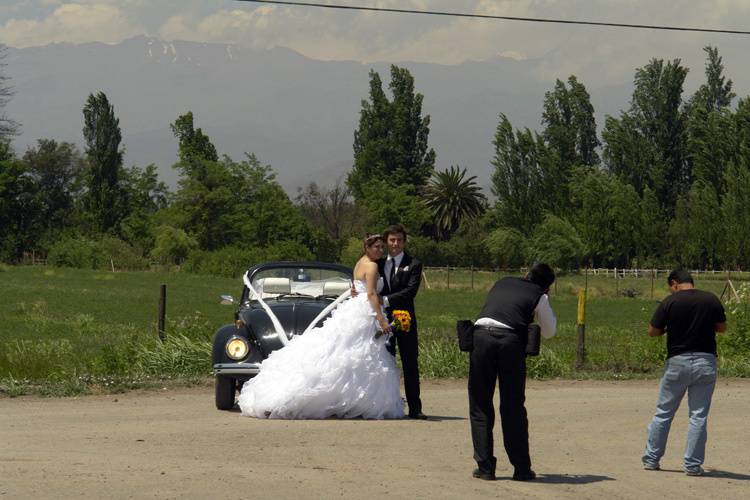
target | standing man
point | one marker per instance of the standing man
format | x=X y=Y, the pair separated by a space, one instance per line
x=691 y=319
x=402 y=275
x=499 y=353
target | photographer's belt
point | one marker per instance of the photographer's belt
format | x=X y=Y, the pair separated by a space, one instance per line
x=496 y=331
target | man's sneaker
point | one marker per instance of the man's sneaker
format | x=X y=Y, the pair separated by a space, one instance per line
x=651 y=466
x=698 y=471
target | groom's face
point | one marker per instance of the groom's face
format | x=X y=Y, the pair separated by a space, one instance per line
x=396 y=243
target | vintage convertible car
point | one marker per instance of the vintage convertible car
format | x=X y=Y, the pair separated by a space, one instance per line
x=279 y=300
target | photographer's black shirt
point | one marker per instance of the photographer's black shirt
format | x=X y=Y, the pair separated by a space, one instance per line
x=689 y=318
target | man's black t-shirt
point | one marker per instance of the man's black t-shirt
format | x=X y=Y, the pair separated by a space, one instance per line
x=689 y=317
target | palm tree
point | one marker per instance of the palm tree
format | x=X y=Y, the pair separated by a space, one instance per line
x=451 y=198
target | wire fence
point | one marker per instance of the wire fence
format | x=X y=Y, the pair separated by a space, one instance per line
x=623 y=281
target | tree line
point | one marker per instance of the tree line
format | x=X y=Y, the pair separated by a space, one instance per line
x=667 y=182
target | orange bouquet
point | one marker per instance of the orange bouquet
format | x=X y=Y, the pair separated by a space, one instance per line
x=401 y=322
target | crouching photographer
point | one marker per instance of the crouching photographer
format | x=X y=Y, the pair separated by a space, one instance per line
x=499 y=353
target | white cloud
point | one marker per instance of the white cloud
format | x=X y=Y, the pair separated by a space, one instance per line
x=221 y=26
x=70 y=22
x=604 y=55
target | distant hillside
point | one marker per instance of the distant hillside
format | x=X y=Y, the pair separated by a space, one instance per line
x=295 y=113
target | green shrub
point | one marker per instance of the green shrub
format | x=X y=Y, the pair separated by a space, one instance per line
x=556 y=242
x=427 y=250
x=120 y=254
x=229 y=261
x=172 y=245
x=287 y=250
x=507 y=247
x=78 y=252
x=84 y=253
x=233 y=261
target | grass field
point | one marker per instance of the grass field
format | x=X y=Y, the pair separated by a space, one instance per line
x=67 y=331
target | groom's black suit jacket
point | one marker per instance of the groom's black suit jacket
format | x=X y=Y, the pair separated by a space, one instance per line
x=404 y=287
x=400 y=294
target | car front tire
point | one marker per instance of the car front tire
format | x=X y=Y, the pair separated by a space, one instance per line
x=225 y=388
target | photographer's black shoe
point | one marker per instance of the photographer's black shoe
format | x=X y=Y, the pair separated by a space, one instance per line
x=480 y=474
x=527 y=475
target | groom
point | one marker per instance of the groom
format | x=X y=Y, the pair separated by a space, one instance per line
x=402 y=275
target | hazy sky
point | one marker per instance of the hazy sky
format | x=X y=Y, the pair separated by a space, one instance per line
x=599 y=56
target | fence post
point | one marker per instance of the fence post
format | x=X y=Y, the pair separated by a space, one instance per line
x=653 y=276
x=586 y=281
x=617 y=285
x=581 y=320
x=162 y=311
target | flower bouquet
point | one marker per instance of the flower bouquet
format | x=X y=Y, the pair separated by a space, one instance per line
x=401 y=322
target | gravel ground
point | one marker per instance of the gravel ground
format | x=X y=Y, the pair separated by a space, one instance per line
x=586 y=440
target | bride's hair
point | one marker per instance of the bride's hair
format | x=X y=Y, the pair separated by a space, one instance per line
x=370 y=240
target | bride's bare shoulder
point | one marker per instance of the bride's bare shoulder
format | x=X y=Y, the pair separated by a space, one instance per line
x=363 y=267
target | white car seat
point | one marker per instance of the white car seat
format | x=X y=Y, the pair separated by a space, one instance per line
x=336 y=287
x=276 y=286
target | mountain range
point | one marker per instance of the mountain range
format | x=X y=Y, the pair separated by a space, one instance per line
x=295 y=113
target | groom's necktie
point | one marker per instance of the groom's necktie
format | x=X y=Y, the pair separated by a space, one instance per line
x=392 y=274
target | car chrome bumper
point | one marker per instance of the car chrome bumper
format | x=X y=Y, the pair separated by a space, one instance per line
x=236 y=368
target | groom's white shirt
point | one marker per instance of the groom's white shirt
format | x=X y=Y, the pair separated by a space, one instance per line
x=543 y=314
x=389 y=263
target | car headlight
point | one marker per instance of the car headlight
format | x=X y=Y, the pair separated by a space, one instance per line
x=237 y=348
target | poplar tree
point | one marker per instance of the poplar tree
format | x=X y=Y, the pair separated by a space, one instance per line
x=646 y=145
x=392 y=157
x=517 y=176
x=712 y=136
x=570 y=136
x=101 y=132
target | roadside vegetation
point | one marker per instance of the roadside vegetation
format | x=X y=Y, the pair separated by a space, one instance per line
x=69 y=331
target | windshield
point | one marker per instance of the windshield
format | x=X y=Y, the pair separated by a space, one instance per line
x=304 y=281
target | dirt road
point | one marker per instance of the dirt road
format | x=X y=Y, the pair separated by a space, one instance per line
x=586 y=439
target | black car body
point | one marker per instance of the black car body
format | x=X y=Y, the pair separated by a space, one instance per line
x=296 y=294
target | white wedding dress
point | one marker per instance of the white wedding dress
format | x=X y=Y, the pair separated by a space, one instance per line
x=339 y=369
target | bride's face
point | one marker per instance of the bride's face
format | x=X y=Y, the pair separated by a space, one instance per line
x=376 y=250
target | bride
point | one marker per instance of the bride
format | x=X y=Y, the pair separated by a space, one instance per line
x=338 y=369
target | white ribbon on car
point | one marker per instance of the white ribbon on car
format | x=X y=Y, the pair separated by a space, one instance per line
x=275 y=321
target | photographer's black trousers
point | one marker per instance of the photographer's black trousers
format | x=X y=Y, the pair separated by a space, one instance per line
x=498 y=356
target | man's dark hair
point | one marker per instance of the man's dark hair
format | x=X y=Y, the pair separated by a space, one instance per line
x=394 y=229
x=541 y=274
x=679 y=276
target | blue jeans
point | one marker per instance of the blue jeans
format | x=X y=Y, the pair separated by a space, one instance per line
x=694 y=372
